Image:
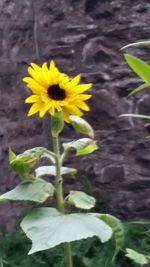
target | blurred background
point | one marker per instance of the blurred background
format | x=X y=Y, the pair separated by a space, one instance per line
x=82 y=36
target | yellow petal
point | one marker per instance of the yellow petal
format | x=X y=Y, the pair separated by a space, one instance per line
x=54 y=73
x=45 y=98
x=52 y=108
x=37 y=76
x=52 y=65
x=33 y=85
x=80 y=97
x=74 y=82
x=82 y=88
x=36 y=67
x=73 y=110
x=46 y=74
x=84 y=97
x=82 y=105
x=62 y=103
x=58 y=106
x=66 y=115
x=32 y=99
x=44 y=109
x=35 y=108
x=63 y=79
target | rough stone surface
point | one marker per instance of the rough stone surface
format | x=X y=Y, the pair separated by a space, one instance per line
x=82 y=37
x=112 y=173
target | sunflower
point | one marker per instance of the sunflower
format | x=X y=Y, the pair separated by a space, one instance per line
x=54 y=91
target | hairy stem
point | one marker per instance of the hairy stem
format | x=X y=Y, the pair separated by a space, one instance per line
x=59 y=196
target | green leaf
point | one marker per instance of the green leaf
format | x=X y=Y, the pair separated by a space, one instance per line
x=82 y=126
x=139 y=88
x=57 y=124
x=37 y=190
x=136 y=44
x=51 y=170
x=24 y=163
x=12 y=155
x=47 y=230
x=141 y=68
x=83 y=146
x=118 y=230
x=139 y=116
x=87 y=150
x=137 y=257
x=81 y=200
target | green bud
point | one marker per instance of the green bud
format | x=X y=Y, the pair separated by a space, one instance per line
x=82 y=126
x=24 y=163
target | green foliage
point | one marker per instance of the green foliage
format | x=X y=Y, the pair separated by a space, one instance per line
x=82 y=126
x=139 y=116
x=37 y=190
x=11 y=155
x=81 y=200
x=137 y=257
x=141 y=68
x=140 y=43
x=137 y=235
x=83 y=146
x=51 y=170
x=118 y=231
x=47 y=228
x=86 y=253
x=14 y=248
x=24 y=163
x=139 y=88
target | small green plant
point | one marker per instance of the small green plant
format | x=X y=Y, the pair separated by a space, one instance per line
x=64 y=99
x=142 y=69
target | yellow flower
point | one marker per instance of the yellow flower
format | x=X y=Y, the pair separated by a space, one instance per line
x=55 y=91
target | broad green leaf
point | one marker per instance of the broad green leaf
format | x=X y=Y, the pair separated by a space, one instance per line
x=51 y=170
x=37 y=190
x=139 y=116
x=118 y=230
x=141 y=68
x=136 y=44
x=139 y=88
x=81 y=126
x=47 y=230
x=137 y=257
x=83 y=146
x=50 y=155
x=81 y=200
x=87 y=150
x=24 y=163
x=57 y=123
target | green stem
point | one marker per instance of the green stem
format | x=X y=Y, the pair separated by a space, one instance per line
x=59 y=190
x=59 y=196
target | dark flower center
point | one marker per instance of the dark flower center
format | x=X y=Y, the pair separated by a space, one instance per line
x=56 y=93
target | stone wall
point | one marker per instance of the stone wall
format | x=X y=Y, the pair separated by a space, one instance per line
x=82 y=36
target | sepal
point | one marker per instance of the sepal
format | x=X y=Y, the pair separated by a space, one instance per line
x=57 y=123
x=82 y=126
